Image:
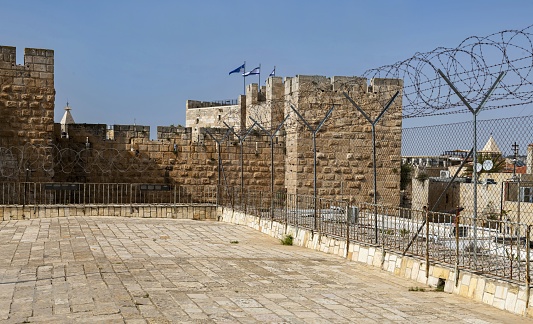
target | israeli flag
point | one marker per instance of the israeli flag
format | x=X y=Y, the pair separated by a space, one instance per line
x=257 y=70
x=240 y=69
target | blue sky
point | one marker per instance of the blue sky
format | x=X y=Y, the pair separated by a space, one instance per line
x=120 y=62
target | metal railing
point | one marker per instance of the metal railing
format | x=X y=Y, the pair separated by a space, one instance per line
x=35 y=193
x=492 y=247
x=498 y=248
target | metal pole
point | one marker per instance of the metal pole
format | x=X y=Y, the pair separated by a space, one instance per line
x=373 y=123
x=427 y=243
x=457 y=222
x=347 y=230
x=519 y=200
x=438 y=200
x=314 y=180
x=475 y=172
x=528 y=260
x=219 y=173
x=242 y=169
x=314 y=132
x=271 y=135
x=271 y=179
x=241 y=141
x=474 y=166
x=375 y=182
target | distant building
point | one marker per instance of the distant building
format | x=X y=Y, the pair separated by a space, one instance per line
x=65 y=121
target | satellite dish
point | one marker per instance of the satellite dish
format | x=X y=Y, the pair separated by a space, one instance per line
x=478 y=167
x=487 y=165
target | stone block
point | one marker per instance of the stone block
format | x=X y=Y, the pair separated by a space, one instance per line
x=510 y=301
x=465 y=280
x=472 y=286
x=414 y=270
x=498 y=303
x=490 y=287
x=432 y=281
x=488 y=298
x=501 y=291
x=363 y=255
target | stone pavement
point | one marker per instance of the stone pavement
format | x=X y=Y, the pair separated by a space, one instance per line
x=138 y=270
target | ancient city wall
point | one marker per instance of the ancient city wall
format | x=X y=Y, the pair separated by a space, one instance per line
x=202 y=114
x=93 y=153
x=27 y=96
x=344 y=142
x=190 y=155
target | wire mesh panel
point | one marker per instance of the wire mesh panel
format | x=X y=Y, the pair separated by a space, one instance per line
x=434 y=177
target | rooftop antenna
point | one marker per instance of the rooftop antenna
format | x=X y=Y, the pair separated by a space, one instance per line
x=515 y=155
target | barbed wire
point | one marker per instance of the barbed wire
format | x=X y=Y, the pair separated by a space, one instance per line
x=472 y=67
x=17 y=161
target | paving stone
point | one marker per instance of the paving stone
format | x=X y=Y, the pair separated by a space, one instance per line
x=140 y=270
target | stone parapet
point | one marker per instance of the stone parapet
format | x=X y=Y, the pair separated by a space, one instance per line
x=197 y=211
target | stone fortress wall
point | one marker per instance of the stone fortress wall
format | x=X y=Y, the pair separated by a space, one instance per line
x=344 y=142
x=27 y=96
x=126 y=154
x=189 y=155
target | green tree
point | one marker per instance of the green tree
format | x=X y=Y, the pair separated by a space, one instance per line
x=498 y=164
x=405 y=175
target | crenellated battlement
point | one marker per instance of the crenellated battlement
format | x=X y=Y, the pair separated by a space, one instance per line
x=37 y=61
x=205 y=151
x=27 y=96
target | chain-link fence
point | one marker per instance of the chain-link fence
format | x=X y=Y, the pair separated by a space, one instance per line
x=440 y=171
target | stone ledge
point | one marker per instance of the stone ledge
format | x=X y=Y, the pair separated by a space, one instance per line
x=198 y=212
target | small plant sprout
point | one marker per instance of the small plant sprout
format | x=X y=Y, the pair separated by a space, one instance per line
x=287 y=239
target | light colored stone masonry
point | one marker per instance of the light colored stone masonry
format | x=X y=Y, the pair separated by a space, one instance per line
x=27 y=96
x=197 y=212
x=497 y=293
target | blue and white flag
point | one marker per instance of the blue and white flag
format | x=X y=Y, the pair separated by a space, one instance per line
x=273 y=73
x=240 y=69
x=257 y=70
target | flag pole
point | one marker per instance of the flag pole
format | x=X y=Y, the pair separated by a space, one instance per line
x=244 y=78
x=259 y=82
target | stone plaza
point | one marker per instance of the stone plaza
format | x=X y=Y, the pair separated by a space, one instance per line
x=137 y=270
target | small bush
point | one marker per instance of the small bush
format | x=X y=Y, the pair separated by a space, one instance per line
x=422 y=177
x=287 y=240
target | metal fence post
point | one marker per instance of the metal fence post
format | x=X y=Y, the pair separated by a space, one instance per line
x=457 y=222
x=347 y=230
x=474 y=112
x=427 y=243
x=528 y=265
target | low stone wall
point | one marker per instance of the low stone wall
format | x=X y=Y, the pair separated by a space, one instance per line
x=198 y=212
x=495 y=292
